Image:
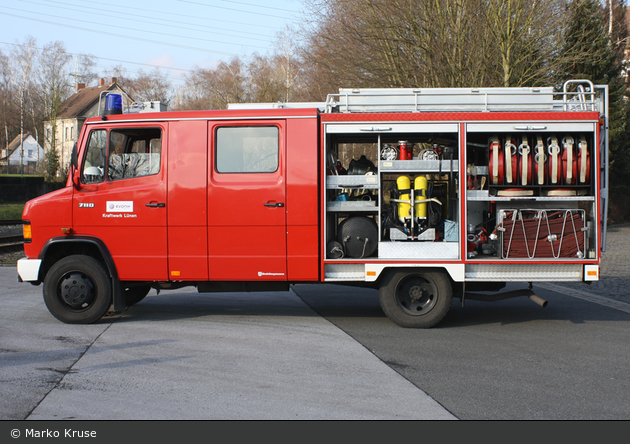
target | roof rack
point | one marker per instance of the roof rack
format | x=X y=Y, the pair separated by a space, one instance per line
x=584 y=98
x=577 y=95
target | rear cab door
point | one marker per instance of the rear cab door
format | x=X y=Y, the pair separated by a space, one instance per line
x=247 y=200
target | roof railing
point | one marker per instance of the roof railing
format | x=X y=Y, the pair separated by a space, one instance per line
x=466 y=99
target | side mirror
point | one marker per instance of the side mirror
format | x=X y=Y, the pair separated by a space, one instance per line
x=76 y=178
x=74 y=170
x=74 y=159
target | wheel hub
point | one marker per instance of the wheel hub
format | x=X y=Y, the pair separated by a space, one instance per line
x=416 y=296
x=416 y=293
x=77 y=290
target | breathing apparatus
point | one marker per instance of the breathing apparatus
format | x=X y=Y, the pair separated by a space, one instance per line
x=411 y=207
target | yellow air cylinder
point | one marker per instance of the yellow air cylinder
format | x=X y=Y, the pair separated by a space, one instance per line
x=420 y=186
x=404 y=209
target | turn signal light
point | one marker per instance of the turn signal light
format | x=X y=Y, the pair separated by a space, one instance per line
x=66 y=231
x=27 y=232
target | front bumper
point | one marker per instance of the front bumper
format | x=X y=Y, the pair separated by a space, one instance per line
x=28 y=269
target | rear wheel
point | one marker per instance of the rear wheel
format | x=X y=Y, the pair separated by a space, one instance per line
x=77 y=290
x=416 y=299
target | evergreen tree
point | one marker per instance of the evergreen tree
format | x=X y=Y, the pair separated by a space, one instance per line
x=51 y=164
x=589 y=53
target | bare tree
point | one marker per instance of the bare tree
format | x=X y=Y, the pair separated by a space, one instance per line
x=287 y=60
x=23 y=57
x=266 y=81
x=526 y=34
x=214 y=88
x=396 y=43
x=53 y=72
x=151 y=86
x=6 y=99
x=83 y=71
x=431 y=43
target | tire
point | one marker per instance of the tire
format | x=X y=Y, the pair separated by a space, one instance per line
x=416 y=298
x=77 y=290
x=133 y=295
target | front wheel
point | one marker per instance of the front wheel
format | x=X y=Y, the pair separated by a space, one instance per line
x=77 y=290
x=417 y=298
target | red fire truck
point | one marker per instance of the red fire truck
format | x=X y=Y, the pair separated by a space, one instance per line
x=425 y=194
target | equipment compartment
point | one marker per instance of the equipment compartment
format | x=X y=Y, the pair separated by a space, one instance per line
x=532 y=177
x=520 y=164
x=540 y=234
x=364 y=176
x=352 y=185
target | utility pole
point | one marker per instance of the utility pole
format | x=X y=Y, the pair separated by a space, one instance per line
x=22 y=135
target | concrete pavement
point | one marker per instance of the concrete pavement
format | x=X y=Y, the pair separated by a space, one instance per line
x=182 y=355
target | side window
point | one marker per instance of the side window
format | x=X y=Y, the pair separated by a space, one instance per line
x=247 y=149
x=134 y=152
x=94 y=165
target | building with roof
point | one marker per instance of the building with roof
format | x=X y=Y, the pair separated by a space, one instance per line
x=22 y=151
x=83 y=104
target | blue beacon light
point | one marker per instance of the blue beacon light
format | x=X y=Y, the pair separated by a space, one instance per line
x=113 y=104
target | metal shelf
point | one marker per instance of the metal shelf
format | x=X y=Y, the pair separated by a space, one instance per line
x=368 y=181
x=422 y=166
x=484 y=196
x=351 y=206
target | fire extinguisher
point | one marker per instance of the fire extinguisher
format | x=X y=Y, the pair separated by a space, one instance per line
x=405 y=150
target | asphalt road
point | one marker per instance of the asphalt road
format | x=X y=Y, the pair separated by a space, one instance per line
x=507 y=360
x=317 y=352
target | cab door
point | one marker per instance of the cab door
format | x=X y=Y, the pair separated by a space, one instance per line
x=122 y=197
x=246 y=201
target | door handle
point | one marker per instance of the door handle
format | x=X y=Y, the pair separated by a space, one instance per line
x=274 y=204
x=156 y=205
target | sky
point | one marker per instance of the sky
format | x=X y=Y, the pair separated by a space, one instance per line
x=174 y=35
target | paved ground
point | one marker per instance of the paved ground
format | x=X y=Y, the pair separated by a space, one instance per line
x=188 y=356
x=614 y=282
x=260 y=356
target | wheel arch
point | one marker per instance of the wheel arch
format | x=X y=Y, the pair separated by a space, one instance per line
x=60 y=247
x=378 y=273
